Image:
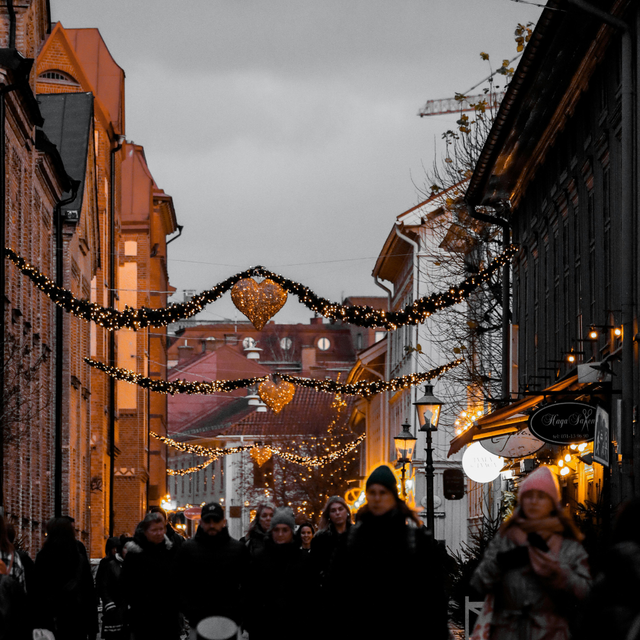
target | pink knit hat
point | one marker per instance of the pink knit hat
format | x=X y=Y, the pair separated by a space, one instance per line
x=542 y=479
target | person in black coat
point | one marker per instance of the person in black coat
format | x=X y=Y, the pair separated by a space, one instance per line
x=114 y=606
x=274 y=586
x=388 y=549
x=210 y=569
x=146 y=583
x=65 y=597
x=258 y=529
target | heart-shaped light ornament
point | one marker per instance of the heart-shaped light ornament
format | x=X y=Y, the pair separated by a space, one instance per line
x=259 y=302
x=260 y=455
x=276 y=396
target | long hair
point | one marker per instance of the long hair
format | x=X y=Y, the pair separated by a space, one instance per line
x=325 y=520
x=5 y=543
x=256 y=521
x=570 y=531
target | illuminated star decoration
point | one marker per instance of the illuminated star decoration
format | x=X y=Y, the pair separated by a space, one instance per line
x=362 y=388
x=360 y=315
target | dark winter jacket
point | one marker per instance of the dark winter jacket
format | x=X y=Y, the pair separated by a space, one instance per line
x=324 y=546
x=149 y=592
x=210 y=571
x=15 y=621
x=255 y=541
x=65 y=596
x=384 y=554
x=114 y=606
x=278 y=593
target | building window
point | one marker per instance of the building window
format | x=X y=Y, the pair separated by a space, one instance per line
x=324 y=344
x=286 y=343
x=248 y=343
x=58 y=77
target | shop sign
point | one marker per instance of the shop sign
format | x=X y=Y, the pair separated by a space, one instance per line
x=602 y=438
x=480 y=465
x=513 y=445
x=564 y=422
x=193 y=513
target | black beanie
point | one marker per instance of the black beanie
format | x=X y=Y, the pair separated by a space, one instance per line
x=384 y=476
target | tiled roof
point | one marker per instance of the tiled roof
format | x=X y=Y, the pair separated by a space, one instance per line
x=309 y=413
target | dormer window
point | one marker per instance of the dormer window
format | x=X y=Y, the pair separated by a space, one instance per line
x=58 y=77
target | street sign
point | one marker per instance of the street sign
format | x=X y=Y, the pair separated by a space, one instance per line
x=453 y=484
x=564 y=422
x=193 y=513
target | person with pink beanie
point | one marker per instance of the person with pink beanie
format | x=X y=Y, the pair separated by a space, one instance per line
x=535 y=571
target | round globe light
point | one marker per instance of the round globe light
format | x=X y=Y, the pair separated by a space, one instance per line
x=480 y=465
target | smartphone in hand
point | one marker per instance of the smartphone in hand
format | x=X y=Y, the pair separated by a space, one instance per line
x=536 y=541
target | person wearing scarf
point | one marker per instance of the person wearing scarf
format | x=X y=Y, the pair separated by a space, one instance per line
x=535 y=571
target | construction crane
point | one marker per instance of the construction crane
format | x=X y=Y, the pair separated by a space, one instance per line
x=463 y=102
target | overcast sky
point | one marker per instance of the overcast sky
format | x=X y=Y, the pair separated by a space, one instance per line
x=287 y=131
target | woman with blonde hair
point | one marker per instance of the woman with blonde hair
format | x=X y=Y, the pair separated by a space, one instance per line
x=535 y=571
x=258 y=529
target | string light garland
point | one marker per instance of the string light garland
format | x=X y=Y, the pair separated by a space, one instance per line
x=363 y=388
x=215 y=453
x=359 y=315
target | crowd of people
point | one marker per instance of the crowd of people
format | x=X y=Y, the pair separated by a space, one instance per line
x=275 y=581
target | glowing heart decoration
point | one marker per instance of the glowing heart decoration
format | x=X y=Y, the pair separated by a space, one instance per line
x=260 y=455
x=276 y=396
x=259 y=302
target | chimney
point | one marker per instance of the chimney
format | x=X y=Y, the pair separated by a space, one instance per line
x=316 y=320
x=210 y=344
x=308 y=359
x=185 y=353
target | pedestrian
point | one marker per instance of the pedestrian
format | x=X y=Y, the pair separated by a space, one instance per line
x=612 y=608
x=389 y=548
x=146 y=582
x=110 y=591
x=257 y=533
x=274 y=584
x=65 y=597
x=333 y=531
x=28 y=564
x=304 y=536
x=14 y=609
x=175 y=538
x=211 y=567
x=535 y=571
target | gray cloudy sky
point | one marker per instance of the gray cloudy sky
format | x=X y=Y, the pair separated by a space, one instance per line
x=286 y=130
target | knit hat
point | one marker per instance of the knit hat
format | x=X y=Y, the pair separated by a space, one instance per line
x=542 y=479
x=283 y=515
x=384 y=476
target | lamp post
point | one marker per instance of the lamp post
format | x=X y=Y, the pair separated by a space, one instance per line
x=405 y=445
x=428 y=409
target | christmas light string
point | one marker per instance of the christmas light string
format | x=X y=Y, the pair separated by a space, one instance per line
x=362 y=388
x=359 y=315
x=214 y=453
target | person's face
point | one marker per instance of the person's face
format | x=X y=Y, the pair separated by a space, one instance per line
x=211 y=527
x=380 y=499
x=306 y=534
x=155 y=533
x=536 y=504
x=338 y=514
x=282 y=534
x=265 y=519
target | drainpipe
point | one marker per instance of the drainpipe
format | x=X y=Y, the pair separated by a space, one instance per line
x=57 y=482
x=112 y=334
x=506 y=302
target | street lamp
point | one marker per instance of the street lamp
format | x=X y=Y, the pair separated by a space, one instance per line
x=428 y=409
x=405 y=444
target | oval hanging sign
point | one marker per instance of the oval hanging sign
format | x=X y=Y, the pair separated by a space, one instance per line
x=513 y=445
x=564 y=422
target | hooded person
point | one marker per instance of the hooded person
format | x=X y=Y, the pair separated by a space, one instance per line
x=211 y=567
x=273 y=576
x=535 y=571
x=388 y=535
